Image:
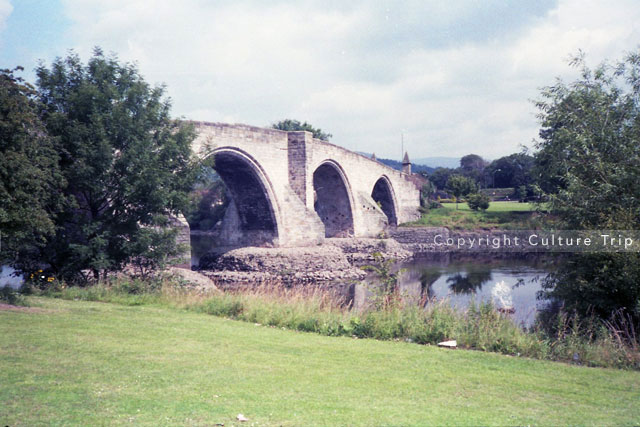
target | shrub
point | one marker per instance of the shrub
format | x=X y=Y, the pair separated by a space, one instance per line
x=11 y=296
x=478 y=201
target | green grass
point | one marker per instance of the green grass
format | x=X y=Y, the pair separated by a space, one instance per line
x=92 y=363
x=309 y=309
x=496 y=207
x=500 y=215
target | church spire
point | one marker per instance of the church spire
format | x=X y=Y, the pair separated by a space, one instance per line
x=406 y=164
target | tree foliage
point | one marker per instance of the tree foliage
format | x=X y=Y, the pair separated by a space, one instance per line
x=589 y=165
x=511 y=171
x=440 y=176
x=29 y=175
x=472 y=166
x=207 y=205
x=478 y=201
x=459 y=186
x=295 y=125
x=426 y=193
x=126 y=163
x=472 y=162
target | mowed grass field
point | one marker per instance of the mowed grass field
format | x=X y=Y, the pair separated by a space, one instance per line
x=72 y=362
x=495 y=207
x=499 y=215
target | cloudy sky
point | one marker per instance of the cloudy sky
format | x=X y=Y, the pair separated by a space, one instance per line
x=453 y=77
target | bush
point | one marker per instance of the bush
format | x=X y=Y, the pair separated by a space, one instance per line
x=8 y=295
x=478 y=201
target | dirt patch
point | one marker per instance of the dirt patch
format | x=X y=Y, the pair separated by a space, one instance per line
x=9 y=307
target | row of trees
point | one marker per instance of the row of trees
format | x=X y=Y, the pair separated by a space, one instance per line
x=513 y=171
x=91 y=168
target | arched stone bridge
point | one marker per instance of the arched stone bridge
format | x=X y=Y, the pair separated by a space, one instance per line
x=289 y=189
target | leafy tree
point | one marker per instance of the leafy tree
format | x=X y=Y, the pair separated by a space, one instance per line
x=478 y=201
x=292 y=125
x=511 y=171
x=589 y=164
x=426 y=192
x=127 y=164
x=472 y=162
x=472 y=166
x=459 y=185
x=387 y=295
x=30 y=179
x=440 y=176
x=207 y=205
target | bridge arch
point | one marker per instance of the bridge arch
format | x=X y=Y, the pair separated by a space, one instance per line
x=333 y=200
x=383 y=194
x=257 y=216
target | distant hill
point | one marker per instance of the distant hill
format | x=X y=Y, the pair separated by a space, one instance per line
x=415 y=167
x=438 y=162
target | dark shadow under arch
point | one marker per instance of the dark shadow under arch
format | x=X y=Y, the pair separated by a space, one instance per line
x=246 y=188
x=332 y=201
x=384 y=196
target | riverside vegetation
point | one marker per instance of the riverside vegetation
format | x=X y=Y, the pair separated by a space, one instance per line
x=585 y=341
x=499 y=215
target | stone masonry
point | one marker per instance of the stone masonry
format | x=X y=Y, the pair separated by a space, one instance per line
x=289 y=189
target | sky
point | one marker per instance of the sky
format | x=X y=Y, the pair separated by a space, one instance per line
x=448 y=78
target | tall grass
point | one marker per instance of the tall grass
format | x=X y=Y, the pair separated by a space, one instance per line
x=481 y=327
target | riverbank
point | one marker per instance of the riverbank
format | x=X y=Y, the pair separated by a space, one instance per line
x=337 y=260
x=387 y=317
x=340 y=260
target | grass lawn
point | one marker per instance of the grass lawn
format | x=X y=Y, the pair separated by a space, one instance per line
x=90 y=363
x=500 y=215
x=495 y=207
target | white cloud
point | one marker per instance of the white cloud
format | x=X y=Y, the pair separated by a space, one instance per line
x=362 y=72
x=5 y=11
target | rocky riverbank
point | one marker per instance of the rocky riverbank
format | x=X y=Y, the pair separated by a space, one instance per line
x=339 y=260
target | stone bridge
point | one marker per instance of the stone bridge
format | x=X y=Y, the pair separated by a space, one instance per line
x=289 y=189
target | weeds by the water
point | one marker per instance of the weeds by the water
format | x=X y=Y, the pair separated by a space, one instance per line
x=481 y=327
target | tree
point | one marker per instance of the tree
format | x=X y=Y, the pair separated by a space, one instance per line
x=472 y=166
x=293 y=125
x=30 y=180
x=589 y=165
x=478 y=201
x=440 y=176
x=426 y=192
x=208 y=204
x=511 y=171
x=127 y=164
x=459 y=185
x=472 y=162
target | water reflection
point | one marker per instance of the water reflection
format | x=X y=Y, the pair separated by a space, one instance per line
x=511 y=284
x=469 y=282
